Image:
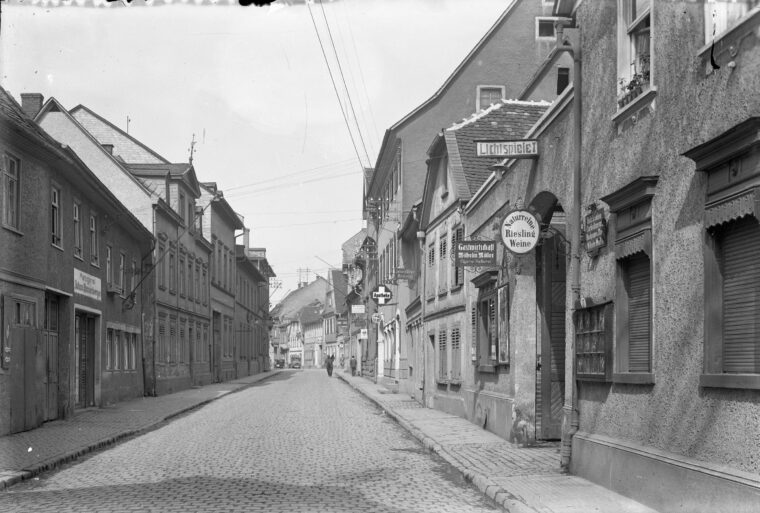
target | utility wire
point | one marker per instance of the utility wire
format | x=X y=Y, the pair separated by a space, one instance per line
x=343 y=79
x=302 y=171
x=335 y=87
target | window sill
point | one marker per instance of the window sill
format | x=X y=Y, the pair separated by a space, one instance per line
x=746 y=381
x=442 y=293
x=456 y=288
x=487 y=368
x=633 y=378
x=13 y=230
x=56 y=246
x=442 y=382
x=628 y=110
x=730 y=37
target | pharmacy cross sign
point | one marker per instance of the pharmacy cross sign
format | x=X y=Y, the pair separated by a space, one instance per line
x=382 y=294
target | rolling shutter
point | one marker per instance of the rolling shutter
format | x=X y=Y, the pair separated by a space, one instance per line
x=639 y=313
x=741 y=284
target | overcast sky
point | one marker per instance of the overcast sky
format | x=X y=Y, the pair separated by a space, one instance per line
x=252 y=85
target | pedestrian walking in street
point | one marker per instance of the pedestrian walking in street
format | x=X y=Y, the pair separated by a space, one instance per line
x=329 y=365
x=353 y=365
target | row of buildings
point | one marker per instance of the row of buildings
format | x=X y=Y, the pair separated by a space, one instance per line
x=623 y=138
x=121 y=274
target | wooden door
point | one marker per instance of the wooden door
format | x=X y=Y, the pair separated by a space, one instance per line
x=50 y=347
x=550 y=375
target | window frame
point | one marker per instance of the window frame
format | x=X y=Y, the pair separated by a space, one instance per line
x=94 y=241
x=11 y=184
x=76 y=213
x=478 y=92
x=632 y=209
x=487 y=321
x=56 y=220
x=538 y=23
x=635 y=86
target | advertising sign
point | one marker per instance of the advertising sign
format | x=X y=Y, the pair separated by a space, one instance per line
x=377 y=318
x=478 y=253
x=515 y=149
x=358 y=309
x=363 y=334
x=595 y=229
x=405 y=274
x=382 y=295
x=87 y=285
x=520 y=231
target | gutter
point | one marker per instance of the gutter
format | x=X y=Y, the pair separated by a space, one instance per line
x=570 y=421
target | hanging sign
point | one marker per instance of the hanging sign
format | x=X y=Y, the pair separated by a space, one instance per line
x=358 y=309
x=382 y=294
x=595 y=230
x=516 y=149
x=520 y=231
x=479 y=253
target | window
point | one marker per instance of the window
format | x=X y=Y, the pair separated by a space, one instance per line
x=182 y=341
x=182 y=276
x=109 y=348
x=199 y=220
x=56 y=227
x=443 y=276
x=94 y=244
x=430 y=275
x=732 y=269
x=163 y=347
x=593 y=342
x=109 y=266
x=204 y=286
x=122 y=271
x=443 y=372
x=161 y=265
x=133 y=278
x=563 y=79
x=633 y=290
x=182 y=206
x=721 y=15
x=173 y=344
x=488 y=95
x=634 y=37
x=457 y=273
x=133 y=351
x=197 y=293
x=545 y=29
x=77 y=230
x=486 y=323
x=11 y=191
x=172 y=272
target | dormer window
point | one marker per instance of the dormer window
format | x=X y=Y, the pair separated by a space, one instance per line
x=182 y=206
x=488 y=95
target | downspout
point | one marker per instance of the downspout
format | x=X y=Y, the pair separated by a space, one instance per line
x=155 y=310
x=570 y=421
x=423 y=302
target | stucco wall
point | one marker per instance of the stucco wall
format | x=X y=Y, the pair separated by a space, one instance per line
x=675 y=414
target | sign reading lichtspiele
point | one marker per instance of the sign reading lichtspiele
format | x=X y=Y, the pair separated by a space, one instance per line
x=520 y=231
x=521 y=148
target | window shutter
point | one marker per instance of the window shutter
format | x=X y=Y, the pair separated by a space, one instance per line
x=639 y=313
x=443 y=373
x=456 y=354
x=741 y=284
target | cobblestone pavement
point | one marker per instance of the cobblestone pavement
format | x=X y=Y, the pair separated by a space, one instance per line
x=299 y=441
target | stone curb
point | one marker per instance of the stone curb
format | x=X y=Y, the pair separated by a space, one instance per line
x=502 y=497
x=10 y=478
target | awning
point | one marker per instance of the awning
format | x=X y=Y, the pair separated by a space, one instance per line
x=734 y=207
x=638 y=242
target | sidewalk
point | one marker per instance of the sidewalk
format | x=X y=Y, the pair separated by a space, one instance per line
x=27 y=454
x=522 y=480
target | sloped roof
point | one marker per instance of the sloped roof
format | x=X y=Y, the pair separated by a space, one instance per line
x=509 y=119
x=310 y=313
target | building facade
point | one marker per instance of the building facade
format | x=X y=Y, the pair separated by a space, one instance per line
x=72 y=280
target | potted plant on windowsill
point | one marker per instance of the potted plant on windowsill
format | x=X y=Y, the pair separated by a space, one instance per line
x=630 y=89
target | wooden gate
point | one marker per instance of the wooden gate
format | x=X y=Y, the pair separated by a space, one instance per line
x=550 y=375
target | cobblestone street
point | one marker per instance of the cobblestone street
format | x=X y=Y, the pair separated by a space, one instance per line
x=297 y=442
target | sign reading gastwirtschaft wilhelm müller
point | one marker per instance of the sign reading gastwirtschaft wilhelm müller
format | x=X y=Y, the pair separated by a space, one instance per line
x=520 y=231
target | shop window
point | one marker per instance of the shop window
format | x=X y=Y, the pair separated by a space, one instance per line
x=632 y=206
x=732 y=245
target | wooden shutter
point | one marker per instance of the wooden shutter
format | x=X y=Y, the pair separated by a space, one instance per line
x=741 y=281
x=443 y=372
x=456 y=354
x=639 y=312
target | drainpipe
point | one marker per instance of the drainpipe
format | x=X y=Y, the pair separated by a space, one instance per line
x=570 y=421
x=423 y=302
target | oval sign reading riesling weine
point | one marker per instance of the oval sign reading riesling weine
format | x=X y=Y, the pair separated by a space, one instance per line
x=520 y=231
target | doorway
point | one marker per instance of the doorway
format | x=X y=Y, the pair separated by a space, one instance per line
x=84 y=336
x=50 y=336
x=550 y=349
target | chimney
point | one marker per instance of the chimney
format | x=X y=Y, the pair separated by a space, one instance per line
x=108 y=148
x=31 y=104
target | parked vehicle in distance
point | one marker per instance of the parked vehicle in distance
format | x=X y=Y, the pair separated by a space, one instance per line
x=279 y=364
x=295 y=362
